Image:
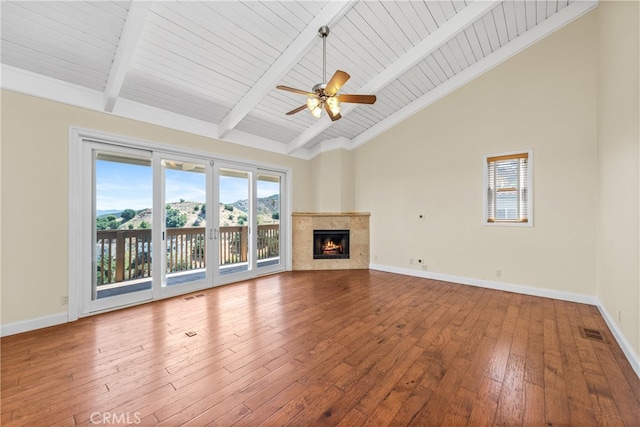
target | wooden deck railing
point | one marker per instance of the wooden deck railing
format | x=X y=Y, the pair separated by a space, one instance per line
x=126 y=254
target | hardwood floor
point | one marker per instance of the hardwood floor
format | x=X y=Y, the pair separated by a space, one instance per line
x=344 y=348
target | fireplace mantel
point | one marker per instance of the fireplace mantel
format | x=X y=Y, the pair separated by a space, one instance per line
x=303 y=224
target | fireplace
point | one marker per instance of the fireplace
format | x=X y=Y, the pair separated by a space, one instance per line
x=330 y=244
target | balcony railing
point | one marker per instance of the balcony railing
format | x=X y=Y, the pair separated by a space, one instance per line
x=126 y=254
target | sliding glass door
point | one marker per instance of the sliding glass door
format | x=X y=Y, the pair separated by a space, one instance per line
x=161 y=224
x=122 y=219
x=269 y=232
x=249 y=233
x=186 y=186
x=234 y=219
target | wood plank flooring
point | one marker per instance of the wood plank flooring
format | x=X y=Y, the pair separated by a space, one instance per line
x=343 y=348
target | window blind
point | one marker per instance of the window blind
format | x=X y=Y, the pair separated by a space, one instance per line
x=508 y=192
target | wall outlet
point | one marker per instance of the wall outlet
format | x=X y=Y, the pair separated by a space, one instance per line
x=498 y=273
x=620 y=316
x=425 y=267
x=64 y=299
x=410 y=261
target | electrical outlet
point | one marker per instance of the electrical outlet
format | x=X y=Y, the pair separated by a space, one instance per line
x=64 y=299
x=498 y=273
x=425 y=267
x=620 y=316
x=410 y=261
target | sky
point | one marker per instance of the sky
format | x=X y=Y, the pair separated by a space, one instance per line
x=122 y=186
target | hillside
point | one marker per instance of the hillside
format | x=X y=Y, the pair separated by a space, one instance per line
x=191 y=214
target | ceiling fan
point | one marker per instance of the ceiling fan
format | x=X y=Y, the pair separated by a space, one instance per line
x=325 y=95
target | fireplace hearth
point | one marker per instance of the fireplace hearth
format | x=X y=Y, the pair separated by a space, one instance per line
x=330 y=244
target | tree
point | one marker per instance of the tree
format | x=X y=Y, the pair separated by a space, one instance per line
x=109 y=222
x=127 y=214
x=144 y=225
x=174 y=218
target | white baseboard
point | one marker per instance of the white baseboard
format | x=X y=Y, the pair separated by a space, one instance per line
x=32 y=324
x=628 y=350
x=632 y=356
x=482 y=283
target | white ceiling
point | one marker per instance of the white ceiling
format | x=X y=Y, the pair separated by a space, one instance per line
x=211 y=67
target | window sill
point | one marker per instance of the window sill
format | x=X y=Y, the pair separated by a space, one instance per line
x=508 y=224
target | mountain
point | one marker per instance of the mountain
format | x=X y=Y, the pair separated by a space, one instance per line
x=115 y=212
x=190 y=214
x=267 y=206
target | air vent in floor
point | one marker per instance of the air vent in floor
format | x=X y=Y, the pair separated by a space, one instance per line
x=592 y=334
x=194 y=296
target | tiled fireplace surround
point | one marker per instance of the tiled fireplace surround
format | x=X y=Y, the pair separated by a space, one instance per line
x=304 y=223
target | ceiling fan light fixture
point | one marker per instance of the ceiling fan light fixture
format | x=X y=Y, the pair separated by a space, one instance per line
x=315 y=106
x=334 y=105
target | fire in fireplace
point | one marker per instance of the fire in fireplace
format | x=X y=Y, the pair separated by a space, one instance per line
x=329 y=244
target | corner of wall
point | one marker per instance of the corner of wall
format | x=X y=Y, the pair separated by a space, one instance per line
x=618 y=144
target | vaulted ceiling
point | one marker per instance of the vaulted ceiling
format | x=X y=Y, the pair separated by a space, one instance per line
x=211 y=67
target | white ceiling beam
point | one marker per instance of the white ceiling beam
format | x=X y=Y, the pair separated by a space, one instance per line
x=558 y=20
x=131 y=33
x=329 y=15
x=426 y=47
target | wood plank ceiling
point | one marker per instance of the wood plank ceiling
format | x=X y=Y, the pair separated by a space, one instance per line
x=211 y=67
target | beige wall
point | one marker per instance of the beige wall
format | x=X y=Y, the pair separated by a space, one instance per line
x=618 y=286
x=332 y=181
x=542 y=99
x=35 y=196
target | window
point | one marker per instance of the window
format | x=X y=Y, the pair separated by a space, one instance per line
x=508 y=188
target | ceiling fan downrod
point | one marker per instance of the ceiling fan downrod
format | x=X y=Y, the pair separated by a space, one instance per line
x=324 y=33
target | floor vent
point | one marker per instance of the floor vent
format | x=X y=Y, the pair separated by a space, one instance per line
x=194 y=296
x=592 y=334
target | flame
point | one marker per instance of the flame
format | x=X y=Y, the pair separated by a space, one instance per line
x=331 y=247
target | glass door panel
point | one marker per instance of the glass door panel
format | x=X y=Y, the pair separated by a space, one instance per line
x=235 y=221
x=268 y=209
x=123 y=200
x=185 y=236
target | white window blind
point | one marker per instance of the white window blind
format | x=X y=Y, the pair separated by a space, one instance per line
x=508 y=192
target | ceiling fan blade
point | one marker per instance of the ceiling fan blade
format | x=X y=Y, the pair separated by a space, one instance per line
x=357 y=99
x=294 y=90
x=333 y=86
x=297 y=110
x=330 y=113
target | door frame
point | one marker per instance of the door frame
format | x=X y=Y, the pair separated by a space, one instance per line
x=159 y=284
x=251 y=244
x=283 y=222
x=89 y=301
x=80 y=209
